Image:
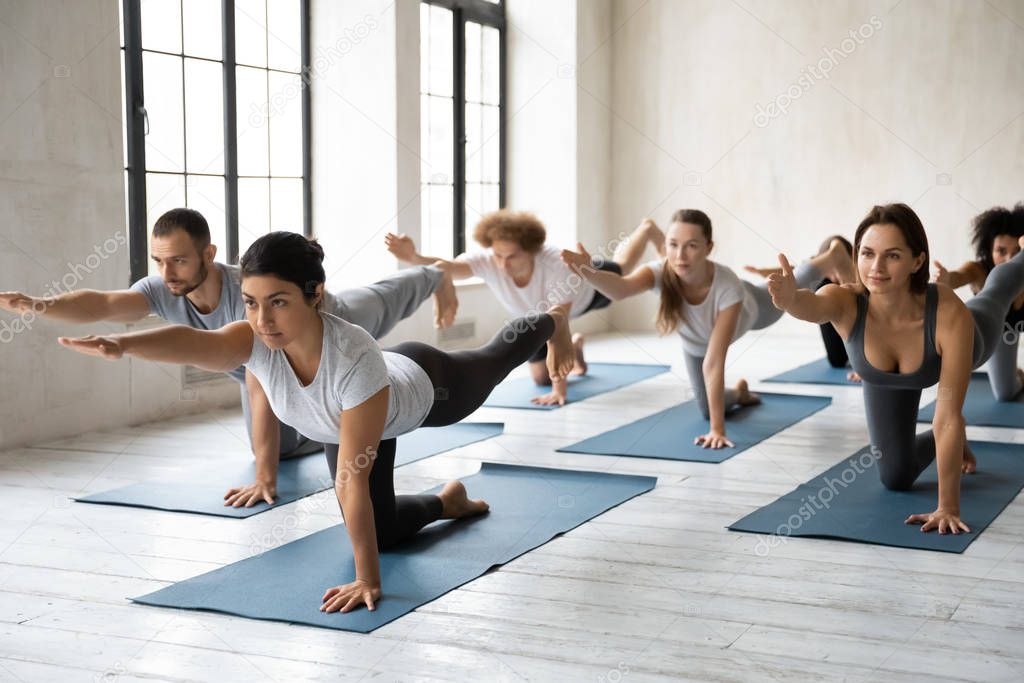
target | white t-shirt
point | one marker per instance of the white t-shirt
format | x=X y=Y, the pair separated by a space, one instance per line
x=352 y=369
x=551 y=283
x=699 y=320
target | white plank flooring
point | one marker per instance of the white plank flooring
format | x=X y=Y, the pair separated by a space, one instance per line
x=656 y=589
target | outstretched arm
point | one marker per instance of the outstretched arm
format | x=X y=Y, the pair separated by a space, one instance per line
x=220 y=350
x=81 y=306
x=830 y=304
x=610 y=284
x=404 y=249
x=359 y=440
x=969 y=273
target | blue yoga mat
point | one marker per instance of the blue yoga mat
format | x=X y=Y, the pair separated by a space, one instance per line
x=297 y=478
x=670 y=433
x=600 y=378
x=981 y=409
x=815 y=372
x=529 y=507
x=849 y=502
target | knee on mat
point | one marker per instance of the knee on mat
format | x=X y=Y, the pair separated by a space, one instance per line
x=1006 y=394
x=897 y=481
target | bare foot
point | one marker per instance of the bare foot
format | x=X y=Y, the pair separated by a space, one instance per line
x=746 y=396
x=853 y=376
x=580 y=368
x=457 y=504
x=970 y=462
x=1020 y=375
x=446 y=301
x=561 y=354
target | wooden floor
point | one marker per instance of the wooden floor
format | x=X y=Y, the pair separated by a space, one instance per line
x=656 y=589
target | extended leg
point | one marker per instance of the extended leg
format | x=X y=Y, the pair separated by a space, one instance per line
x=990 y=306
x=377 y=308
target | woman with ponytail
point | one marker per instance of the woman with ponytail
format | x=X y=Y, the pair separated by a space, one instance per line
x=707 y=305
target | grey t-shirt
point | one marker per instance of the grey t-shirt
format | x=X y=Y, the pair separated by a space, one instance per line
x=352 y=369
x=231 y=308
x=726 y=290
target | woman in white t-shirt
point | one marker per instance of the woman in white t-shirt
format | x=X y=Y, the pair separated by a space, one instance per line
x=329 y=379
x=527 y=276
x=706 y=304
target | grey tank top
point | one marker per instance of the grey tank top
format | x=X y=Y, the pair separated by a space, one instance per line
x=931 y=367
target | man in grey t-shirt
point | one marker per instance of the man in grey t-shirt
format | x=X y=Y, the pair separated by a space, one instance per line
x=194 y=290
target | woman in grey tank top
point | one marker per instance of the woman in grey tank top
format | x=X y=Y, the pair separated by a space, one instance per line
x=902 y=335
x=283 y=285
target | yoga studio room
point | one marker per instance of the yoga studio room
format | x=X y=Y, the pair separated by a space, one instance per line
x=512 y=340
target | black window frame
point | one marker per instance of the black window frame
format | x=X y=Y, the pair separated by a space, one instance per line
x=135 y=124
x=492 y=15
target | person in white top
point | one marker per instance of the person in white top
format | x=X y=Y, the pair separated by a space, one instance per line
x=329 y=378
x=707 y=305
x=527 y=275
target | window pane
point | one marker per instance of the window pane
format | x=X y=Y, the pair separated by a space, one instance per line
x=253 y=211
x=285 y=124
x=286 y=204
x=440 y=140
x=163 y=193
x=441 y=51
x=206 y=195
x=284 y=42
x=473 y=62
x=473 y=140
x=165 y=143
x=491 y=69
x=490 y=151
x=438 y=210
x=161 y=25
x=204 y=116
x=424 y=47
x=251 y=89
x=489 y=198
x=474 y=206
x=202 y=22
x=251 y=32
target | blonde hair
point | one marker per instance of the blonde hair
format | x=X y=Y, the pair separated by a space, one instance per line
x=503 y=225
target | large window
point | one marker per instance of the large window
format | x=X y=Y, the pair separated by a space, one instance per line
x=462 y=119
x=216 y=118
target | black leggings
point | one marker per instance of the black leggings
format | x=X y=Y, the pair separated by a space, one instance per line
x=462 y=382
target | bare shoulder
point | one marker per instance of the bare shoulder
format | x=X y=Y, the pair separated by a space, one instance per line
x=952 y=311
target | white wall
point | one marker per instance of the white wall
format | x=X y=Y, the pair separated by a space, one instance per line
x=926 y=110
x=62 y=202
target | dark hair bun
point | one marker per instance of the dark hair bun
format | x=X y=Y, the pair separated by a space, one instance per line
x=317 y=249
x=288 y=256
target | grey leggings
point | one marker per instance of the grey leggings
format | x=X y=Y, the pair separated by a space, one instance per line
x=1002 y=366
x=377 y=308
x=806 y=277
x=892 y=413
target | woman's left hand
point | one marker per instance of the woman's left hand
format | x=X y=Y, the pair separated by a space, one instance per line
x=104 y=347
x=943 y=520
x=350 y=596
x=713 y=440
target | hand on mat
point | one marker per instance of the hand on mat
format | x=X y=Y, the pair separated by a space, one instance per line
x=401 y=246
x=577 y=260
x=713 y=440
x=16 y=302
x=946 y=522
x=941 y=274
x=556 y=397
x=104 y=347
x=782 y=285
x=247 y=496
x=350 y=596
